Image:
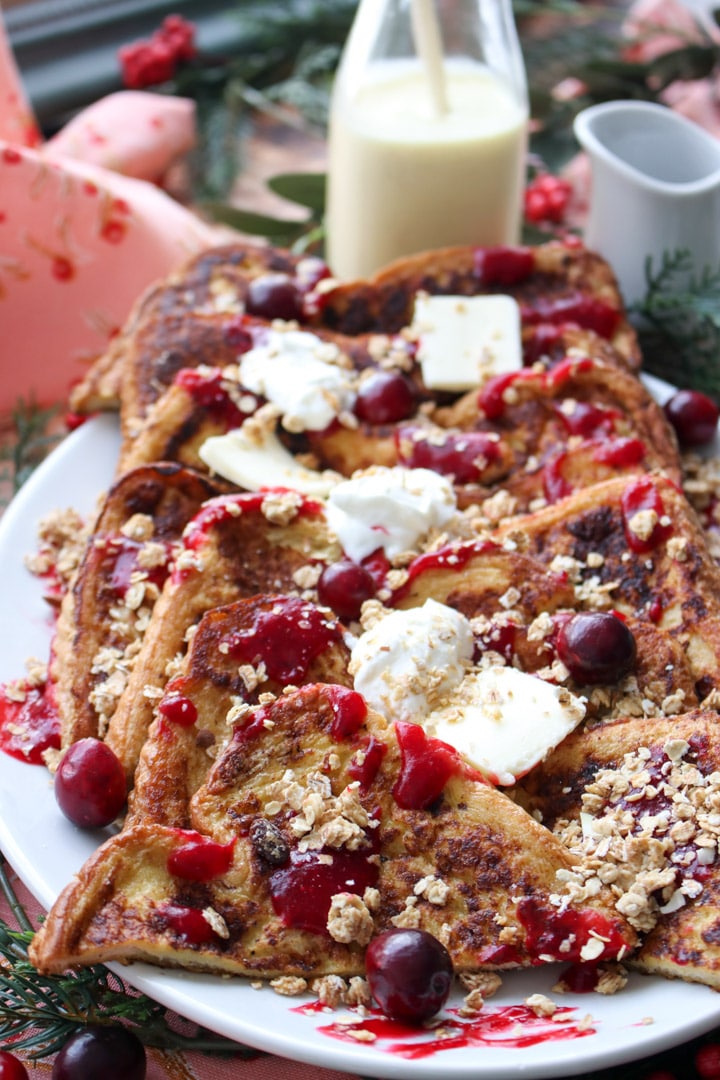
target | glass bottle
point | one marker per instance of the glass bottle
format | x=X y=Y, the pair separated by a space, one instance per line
x=428 y=132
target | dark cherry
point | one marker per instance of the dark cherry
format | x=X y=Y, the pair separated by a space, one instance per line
x=410 y=974
x=96 y=1053
x=385 y=397
x=11 y=1068
x=694 y=417
x=707 y=1061
x=344 y=587
x=274 y=296
x=90 y=784
x=596 y=647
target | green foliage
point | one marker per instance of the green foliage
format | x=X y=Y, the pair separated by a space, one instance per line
x=678 y=322
x=31 y=441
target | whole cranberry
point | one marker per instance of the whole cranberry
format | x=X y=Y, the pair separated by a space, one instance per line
x=707 y=1061
x=344 y=586
x=11 y=1068
x=274 y=296
x=98 y=1053
x=694 y=417
x=384 y=397
x=596 y=647
x=410 y=974
x=90 y=784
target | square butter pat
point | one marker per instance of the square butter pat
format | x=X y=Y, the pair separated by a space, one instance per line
x=463 y=340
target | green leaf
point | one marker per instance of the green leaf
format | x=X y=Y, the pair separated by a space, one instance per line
x=306 y=189
x=279 y=230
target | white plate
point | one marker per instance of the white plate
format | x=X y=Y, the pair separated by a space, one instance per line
x=648 y=1016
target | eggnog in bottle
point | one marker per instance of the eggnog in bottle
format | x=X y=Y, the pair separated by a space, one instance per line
x=425 y=149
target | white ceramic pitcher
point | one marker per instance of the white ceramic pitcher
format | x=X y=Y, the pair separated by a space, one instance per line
x=655 y=188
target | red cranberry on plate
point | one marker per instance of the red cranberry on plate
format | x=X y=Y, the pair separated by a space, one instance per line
x=596 y=647
x=90 y=784
x=11 y=1068
x=385 y=397
x=344 y=587
x=694 y=417
x=410 y=974
x=274 y=296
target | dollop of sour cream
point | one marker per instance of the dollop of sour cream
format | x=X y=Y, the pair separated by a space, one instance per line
x=416 y=666
x=388 y=508
x=300 y=374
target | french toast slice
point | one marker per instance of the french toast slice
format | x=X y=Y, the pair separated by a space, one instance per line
x=650 y=788
x=517 y=605
x=104 y=613
x=238 y=653
x=553 y=283
x=636 y=546
x=322 y=825
x=214 y=282
x=237 y=546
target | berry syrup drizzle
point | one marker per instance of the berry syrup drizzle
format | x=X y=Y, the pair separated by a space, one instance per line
x=512 y=1027
x=29 y=726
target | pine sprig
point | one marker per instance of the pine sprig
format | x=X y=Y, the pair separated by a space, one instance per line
x=31 y=441
x=678 y=322
x=38 y=1013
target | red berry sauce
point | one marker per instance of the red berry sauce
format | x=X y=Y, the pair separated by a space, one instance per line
x=207 y=389
x=367 y=761
x=286 y=639
x=349 y=711
x=31 y=726
x=302 y=890
x=125 y=553
x=188 y=923
x=622 y=452
x=642 y=494
x=586 y=419
x=462 y=455
x=426 y=766
x=504 y=265
x=176 y=707
x=452 y=557
x=586 y=311
x=510 y=1026
x=198 y=858
x=547 y=929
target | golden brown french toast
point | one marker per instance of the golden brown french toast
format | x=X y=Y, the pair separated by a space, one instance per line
x=237 y=546
x=238 y=653
x=104 y=613
x=554 y=283
x=319 y=826
x=635 y=545
x=650 y=788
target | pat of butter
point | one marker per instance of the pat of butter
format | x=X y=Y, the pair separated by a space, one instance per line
x=505 y=722
x=259 y=463
x=463 y=340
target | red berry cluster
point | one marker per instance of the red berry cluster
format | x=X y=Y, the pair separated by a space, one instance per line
x=153 y=61
x=546 y=198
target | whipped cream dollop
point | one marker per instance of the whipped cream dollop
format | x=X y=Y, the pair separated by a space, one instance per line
x=410 y=661
x=301 y=375
x=416 y=666
x=388 y=508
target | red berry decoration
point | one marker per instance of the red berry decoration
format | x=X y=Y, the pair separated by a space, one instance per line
x=344 y=587
x=596 y=647
x=274 y=296
x=384 y=397
x=410 y=974
x=694 y=417
x=11 y=1068
x=90 y=784
x=707 y=1061
x=546 y=198
x=101 y=1053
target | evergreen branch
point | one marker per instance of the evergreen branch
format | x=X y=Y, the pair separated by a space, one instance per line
x=678 y=322
x=31 y=442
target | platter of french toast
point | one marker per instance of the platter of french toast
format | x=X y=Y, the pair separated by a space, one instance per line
x=369 y=612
